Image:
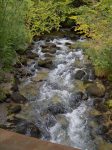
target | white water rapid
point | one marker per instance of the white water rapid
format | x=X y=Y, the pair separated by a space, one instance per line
x=71 y=127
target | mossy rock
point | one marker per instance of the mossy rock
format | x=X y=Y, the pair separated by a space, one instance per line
x=41 y=76
x=14 y=108
x=96 y=89
x=94 y=112
x=109 y=103
x=30 y=90
x=46 y=63
x=79 y=86
x=5 y=89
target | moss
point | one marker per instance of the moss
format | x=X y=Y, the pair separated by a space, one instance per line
x=80 y=86
x=109 y=104
x=41 y=76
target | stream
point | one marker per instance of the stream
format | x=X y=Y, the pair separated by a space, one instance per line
x=61 y=109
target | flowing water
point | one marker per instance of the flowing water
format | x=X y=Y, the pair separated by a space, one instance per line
x=71 y=126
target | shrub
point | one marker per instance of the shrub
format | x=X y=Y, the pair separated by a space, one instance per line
x=95 y=21
x=13 y=31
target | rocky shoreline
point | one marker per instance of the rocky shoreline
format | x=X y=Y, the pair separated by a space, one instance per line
x=17 y=93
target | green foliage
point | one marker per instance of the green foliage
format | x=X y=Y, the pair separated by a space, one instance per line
x=47 y=15
x=95 y=21
x=20 y=20
x=13 y=31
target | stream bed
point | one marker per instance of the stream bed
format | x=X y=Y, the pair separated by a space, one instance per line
x=63 y=96
x=67 y=111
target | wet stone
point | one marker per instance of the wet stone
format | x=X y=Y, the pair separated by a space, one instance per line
x=101 y=107
x=23 y=126
x=79 y=74
x=18 y=98
x=63 y=121
x=96 y=89
x=108 y=137
x=76 y=99
x=31 y=55
x=50 y=120
x=100 y=119
x=50 y=51
x=57 y=108
x=102 y=130
x=46 y=63
x=14 y=108
x=48 y=45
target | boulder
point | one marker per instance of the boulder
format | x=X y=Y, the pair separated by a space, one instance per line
x=108 y=137
x=50 y=120
x=97 y=101
x=23 y=72
x=100 y=118
x=49 y=45
x=102 y=130
x=18 y=98
x=31 y=55
x=79 y=85
x=51 y=51
x=96 y=89
x=101 y=107
x=30 y=90
x=46 y=63
x=23 y=127
x=79 y=74
x=57 y=108
x=14 y=108
x=76 y=99
x=41 y=75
